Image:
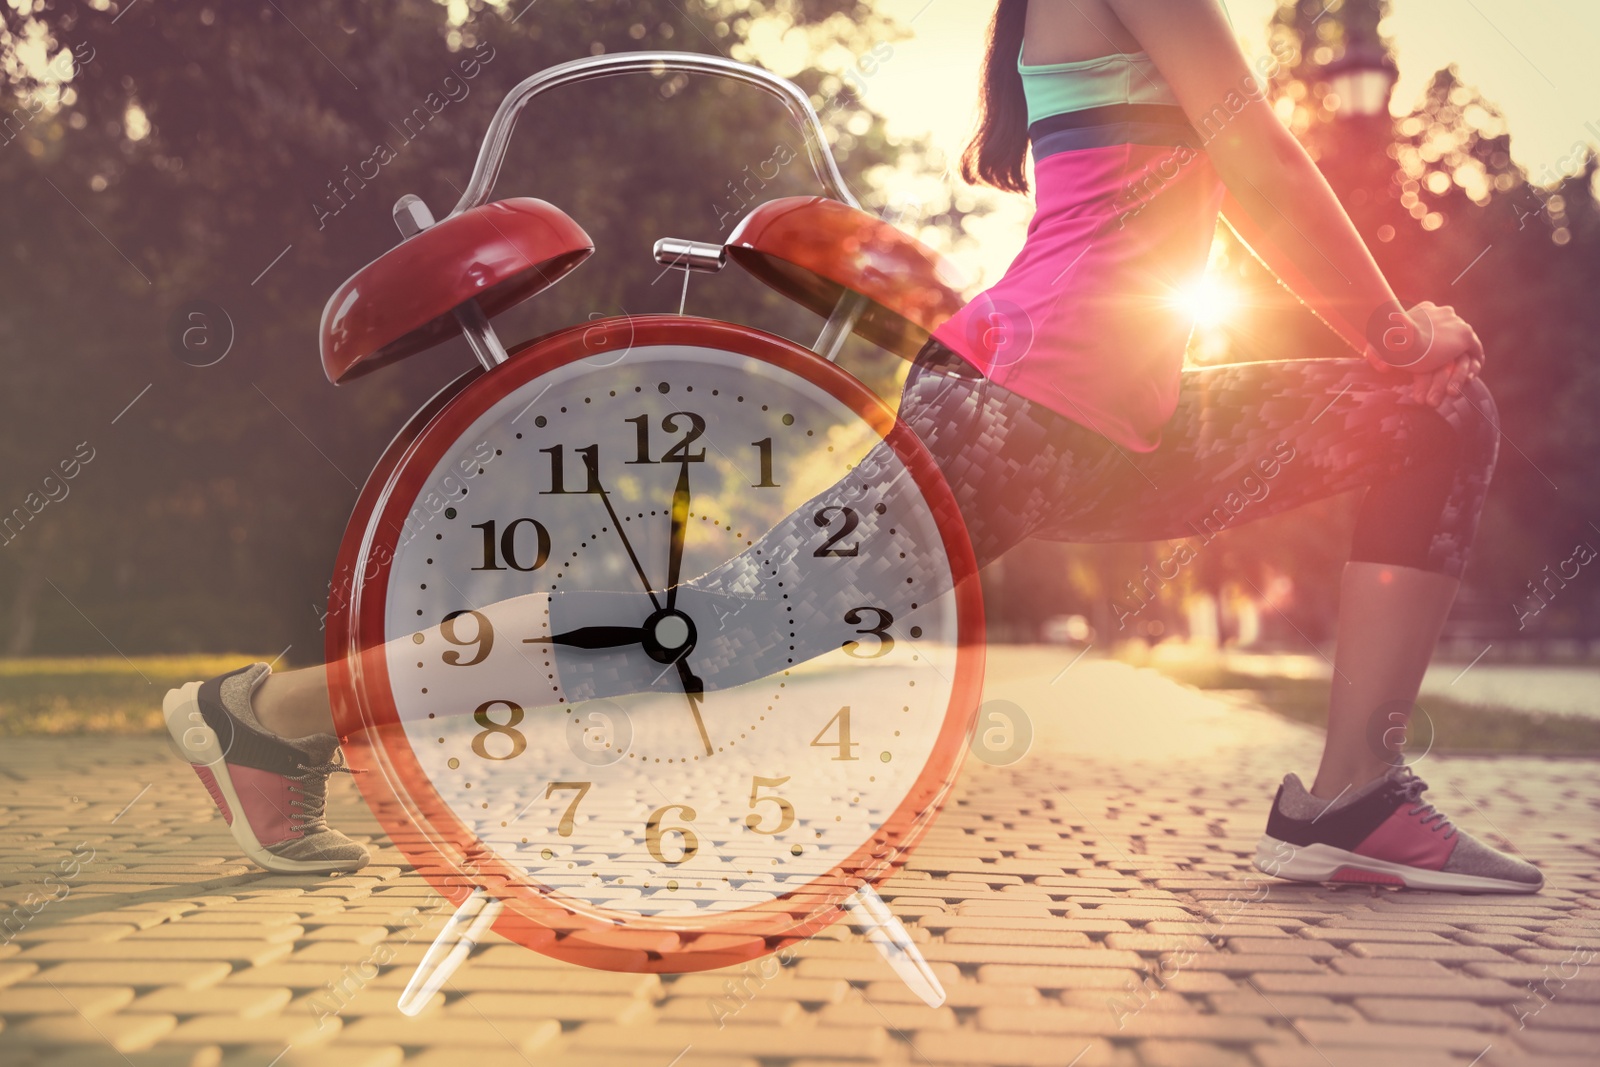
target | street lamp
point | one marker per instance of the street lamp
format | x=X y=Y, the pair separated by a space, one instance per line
x=1356 y=143
x=1362 y=79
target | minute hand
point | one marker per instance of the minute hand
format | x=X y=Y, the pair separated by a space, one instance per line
x=616 y=523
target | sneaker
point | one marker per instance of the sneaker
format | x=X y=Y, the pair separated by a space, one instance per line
x=271 y=791
x=1383 y=834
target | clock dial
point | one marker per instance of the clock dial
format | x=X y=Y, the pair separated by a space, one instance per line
x=636 y=748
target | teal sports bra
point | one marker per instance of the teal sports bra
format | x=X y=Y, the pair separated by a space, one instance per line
x=1120 y=78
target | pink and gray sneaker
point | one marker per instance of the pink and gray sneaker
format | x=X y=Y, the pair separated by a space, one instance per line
x=1384 y=834
x=271 y=792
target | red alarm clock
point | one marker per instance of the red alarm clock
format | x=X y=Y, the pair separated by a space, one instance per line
x=535 y=524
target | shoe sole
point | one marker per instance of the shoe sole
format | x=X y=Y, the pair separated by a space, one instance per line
x=202 y=748
x=1325 y=863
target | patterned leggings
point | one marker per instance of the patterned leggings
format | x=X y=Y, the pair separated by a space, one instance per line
x=1247 y=440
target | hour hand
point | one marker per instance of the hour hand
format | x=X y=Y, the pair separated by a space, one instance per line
x=592 y=637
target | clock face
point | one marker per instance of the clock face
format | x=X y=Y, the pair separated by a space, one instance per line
x=637 y=749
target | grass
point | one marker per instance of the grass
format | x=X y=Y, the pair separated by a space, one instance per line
x=111 y=695
x=108 y=695
x=1458 y=727
x=67 y=696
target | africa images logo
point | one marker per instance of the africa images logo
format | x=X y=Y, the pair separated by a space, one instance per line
x=999 y=331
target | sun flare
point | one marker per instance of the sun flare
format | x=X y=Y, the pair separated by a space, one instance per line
x=1208 y=300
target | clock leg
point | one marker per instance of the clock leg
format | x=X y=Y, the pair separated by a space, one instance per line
x=871 y=917
x=450 y=949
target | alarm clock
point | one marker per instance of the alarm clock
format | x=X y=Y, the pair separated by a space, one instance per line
x=658 y=638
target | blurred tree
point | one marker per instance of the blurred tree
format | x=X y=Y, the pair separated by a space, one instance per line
x=156 y=156
x=248 y=154
x=1452 y=218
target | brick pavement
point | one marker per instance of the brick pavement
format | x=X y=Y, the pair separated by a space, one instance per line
x=1090 y=904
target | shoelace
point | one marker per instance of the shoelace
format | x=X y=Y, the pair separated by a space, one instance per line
x=309 y=815
x=1411 y=789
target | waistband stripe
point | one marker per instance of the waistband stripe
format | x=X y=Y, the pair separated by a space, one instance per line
x=1112 y=114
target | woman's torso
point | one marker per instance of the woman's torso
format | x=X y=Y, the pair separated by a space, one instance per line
x=1086 y=320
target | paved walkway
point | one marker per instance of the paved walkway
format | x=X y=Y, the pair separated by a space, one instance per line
x=1081 y=906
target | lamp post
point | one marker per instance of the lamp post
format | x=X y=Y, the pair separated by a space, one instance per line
x=1355 y=159
x=1362 y=80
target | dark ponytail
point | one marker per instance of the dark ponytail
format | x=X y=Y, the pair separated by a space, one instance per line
x=998 y=152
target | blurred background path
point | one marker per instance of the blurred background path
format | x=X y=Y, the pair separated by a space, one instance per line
x=1090 y=903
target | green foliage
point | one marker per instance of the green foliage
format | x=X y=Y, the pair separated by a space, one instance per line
x=105 y=695
x=218 y=150
x=1451 y=218
x=1458 y=727
x=196 y=143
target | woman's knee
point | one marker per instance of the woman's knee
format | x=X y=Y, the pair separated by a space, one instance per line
x=1479 y=399
x=1426 y=514
x=1476 y=419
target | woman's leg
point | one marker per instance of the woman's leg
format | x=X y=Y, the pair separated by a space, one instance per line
x=1389 y=620
x=1247 y=440
x=295 y=703
x=1256 y=439
x=257 y=739
x=1010 y=463
x=1252 y=440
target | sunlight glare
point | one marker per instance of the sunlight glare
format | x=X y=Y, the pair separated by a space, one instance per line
x=1209 y=301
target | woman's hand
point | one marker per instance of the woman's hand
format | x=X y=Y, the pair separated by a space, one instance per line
x=1452 y=354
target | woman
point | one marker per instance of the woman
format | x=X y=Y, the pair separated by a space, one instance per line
x=1057 y=406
